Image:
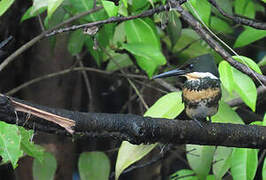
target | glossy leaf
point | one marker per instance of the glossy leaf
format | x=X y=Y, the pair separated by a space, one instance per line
x=184 y=174
x=226 y=114
x=129 y=153
x=125 y=3
x=148 y=57
x=28 y=146
x=245 y=87
x=52 y=6
x=249 y=62
x=110 y=8
x=222 y=161
x=122 y=59
x=189 y=45
x=76 y=42
x=203 y=8
x=240 y=6
x=226 y=5
x=94 y=166
x=4 y=5
x=264 y=170
x=264 y=120
x=10 y=143
x=44 y=170
x=174 y=27
x=226 y=76
x=29 y=13
x=38 y=4
x=249 y=35
x=220 y=25
x=239 y=82
x=250 y=10
x=140 y=31
x=244 y=163
x=200 y=159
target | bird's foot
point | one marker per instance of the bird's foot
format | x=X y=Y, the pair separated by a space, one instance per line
x=198 y=122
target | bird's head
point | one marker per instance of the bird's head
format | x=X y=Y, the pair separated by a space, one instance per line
x=196 y=68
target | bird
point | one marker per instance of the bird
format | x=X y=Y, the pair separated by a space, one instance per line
x=201 y=91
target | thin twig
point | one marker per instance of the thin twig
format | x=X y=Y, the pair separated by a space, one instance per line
x=26 y=46
x=59 y=73
x=238 y=19
x=88 y=85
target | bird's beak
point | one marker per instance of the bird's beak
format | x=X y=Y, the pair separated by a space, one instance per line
x=175 y=72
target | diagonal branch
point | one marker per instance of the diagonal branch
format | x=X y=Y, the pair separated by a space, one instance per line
x=137 y=129
x=215 y=45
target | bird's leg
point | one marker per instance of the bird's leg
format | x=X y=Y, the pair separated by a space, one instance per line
x=210 y=119
x=198 y=122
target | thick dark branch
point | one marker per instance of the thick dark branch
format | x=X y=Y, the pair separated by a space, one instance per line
x=240 y=20
x=137 y=129
x=215 y=45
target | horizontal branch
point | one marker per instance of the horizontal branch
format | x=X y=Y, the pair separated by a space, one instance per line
x=136 y=129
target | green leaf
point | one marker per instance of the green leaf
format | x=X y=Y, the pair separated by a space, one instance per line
x=39 y=4
x=203 y=8
x=125 y=3
x=28 y=146
x=148 y=57
x=244 y=163
x=110 y=8
x=122 y=59
x=10 y=140
x=4 y=5
x=52 y=6
x=96 y=53
x=44 y=170
x=140 y=31
x=250 y=10
x=220 y=25
x=240 y=6
x=76 y=42
x=263 y=61
x=81 y=5
x=29 y=13
x=226 y=114
x=168 y=106
x=190 y=45
x=245 y=87
x=128 y=154
x=226 y=5
x=248 y=36
x=233 y=79
x=264 y=120
x=226 y=76
x=249 y=62
x=200 y=159
x=94 y=166
x=184 y=174
x=264 y=170
x=174 y=27
x=119 y=34
x=222 y=161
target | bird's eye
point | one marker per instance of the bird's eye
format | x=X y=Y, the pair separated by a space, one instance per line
x=190 y=66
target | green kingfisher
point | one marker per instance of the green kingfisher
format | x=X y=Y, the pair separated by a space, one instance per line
x=201 y=90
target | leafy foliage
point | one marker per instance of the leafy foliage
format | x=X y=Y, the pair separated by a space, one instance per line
x=94 y=165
